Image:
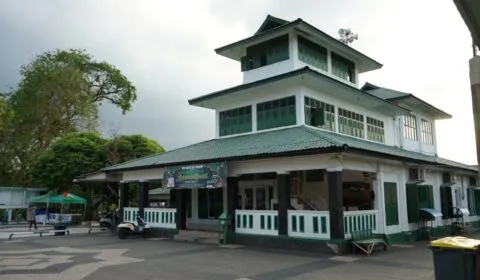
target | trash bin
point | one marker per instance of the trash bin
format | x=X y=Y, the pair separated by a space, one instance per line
x=456 y=258
x=59 y=227
x=224 y=222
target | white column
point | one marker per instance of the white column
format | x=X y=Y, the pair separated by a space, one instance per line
x=300 y=104
x=254 y=117
x=379 y=202
x=9 y=220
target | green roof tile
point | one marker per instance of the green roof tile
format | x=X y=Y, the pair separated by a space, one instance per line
x=282 y=141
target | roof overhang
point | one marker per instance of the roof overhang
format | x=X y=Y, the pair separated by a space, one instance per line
x=304 y=76
x=236 y=50
x=470 y=12
x=410 y=101
x=99 y=176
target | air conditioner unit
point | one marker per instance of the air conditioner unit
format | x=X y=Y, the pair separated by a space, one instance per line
x=416 y=174
x=449 y=178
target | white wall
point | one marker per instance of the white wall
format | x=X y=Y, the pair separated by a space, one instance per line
x=419 y=146
x=331 y=99
x=293 y=63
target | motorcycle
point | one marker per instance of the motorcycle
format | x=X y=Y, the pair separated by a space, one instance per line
x=126 y=229
x=109 y=220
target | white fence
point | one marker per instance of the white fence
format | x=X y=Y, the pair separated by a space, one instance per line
x=154 y=217
x=309 y=224
x=359 y=220
x=260 y=222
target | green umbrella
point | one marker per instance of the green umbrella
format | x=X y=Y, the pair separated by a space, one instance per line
x=68 y=198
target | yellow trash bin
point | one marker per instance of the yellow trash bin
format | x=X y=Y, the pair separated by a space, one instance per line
x=455 y=258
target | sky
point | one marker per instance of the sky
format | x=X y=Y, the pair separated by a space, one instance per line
x=166 y=48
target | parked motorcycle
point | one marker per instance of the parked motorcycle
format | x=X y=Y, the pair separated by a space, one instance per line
x=109 y=220
x=126 y=229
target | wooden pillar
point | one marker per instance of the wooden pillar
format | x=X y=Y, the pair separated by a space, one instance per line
x=283 y=185
x=335 y=205
x=124 y=191
x=143 y=198
x=232 y=200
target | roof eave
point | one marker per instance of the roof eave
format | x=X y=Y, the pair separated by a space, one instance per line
x=332 y=149
x=471 y=19
x=440 y=115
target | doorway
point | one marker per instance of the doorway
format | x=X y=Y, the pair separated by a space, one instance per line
x=255 y=197
x=210 y=203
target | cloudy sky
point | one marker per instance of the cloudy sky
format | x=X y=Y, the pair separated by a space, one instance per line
x=167 y=49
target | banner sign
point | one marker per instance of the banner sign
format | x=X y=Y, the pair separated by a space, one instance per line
x=209 y=175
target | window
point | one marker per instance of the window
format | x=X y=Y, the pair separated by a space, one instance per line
x=266 y=53
x=427 y=132
x=418 y=196
x=391 y=203
x=410 y=127
x=276 y=113
x=350 y=123
x=446 y=202
x=319 y=114
x=375 y=130
x=311 y=53
x=236 y=121
x=343 y=68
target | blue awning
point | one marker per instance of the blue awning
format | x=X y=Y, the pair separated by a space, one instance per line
x=433 y=213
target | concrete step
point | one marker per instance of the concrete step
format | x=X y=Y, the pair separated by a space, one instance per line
x=197 y=236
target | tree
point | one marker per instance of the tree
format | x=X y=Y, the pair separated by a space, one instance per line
x=69 y=157
x=59 y=93
x=80 y=153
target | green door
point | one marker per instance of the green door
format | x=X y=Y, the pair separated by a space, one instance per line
x=391 y=203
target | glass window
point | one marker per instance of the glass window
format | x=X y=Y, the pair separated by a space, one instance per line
x=235 y=121
x=351 y=123
x=410 y=127
x=375 y=130
x=276 y=113
x=313 y=107
x=427 y=132
x=266 y=53
x=343 y=68
x=312 y=53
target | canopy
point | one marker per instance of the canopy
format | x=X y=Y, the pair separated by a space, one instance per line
x=66 y=198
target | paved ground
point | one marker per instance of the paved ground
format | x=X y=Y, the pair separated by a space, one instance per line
x=103 y=256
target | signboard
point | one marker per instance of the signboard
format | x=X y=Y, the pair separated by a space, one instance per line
x=208 y=175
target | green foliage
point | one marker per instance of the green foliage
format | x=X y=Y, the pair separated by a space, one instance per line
x=128 y=147
x=70 y=156
x=80 y=153
x=58 y=94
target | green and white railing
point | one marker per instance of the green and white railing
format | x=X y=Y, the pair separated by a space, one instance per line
x=259 y=222
x=309 y=224
x=154 y=217
x=359 y=220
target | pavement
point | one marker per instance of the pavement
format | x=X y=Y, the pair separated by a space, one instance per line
x=103 y=256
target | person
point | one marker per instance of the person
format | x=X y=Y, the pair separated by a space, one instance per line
x=31 y=217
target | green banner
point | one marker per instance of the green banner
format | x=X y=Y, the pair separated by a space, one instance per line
x=209 y=175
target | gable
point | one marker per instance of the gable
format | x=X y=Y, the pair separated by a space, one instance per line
x=270 y=23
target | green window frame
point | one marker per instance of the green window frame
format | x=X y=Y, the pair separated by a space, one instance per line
x=312 y=53
x=375 y=130
x=235 y=121
x=276 y=113
x=328 y=111
x=418 y=196
x=351 y=123
x=266 y=53
x=343 y=68
x=391 y=203
x=446 y=202
x=210 y=203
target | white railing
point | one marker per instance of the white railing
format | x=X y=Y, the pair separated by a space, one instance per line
x=260 y=222
x=359 y=220
x=161 y=217
x=130 y=214
x=154 y=217
x=309 y=224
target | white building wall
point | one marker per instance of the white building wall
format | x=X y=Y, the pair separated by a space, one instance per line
x=418 y=145
x=331 y=99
